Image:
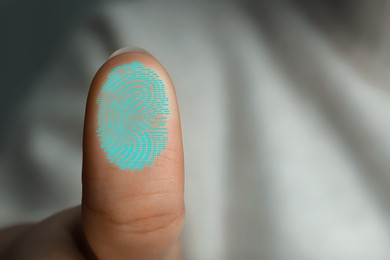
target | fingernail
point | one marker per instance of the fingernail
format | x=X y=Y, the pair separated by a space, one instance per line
x=128 y=49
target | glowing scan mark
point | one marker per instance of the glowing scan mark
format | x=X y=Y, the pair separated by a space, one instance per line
x=132 y=114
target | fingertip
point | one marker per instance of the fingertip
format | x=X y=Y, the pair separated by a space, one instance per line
x=132 y=99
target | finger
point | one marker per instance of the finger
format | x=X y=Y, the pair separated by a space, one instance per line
x=133 y=205
x=57 y=237
x=10 y=234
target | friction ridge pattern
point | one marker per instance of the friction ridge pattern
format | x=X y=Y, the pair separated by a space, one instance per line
x=132 y=115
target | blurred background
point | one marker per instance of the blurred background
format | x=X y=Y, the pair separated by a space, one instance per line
x=285 y=110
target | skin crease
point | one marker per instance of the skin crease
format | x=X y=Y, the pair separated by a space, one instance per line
x=125 y=214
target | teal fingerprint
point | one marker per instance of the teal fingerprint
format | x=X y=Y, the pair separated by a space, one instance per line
x=132 y=115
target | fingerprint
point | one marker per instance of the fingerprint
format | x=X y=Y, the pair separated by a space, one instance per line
x=132 y=114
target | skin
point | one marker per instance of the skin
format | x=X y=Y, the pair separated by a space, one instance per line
x=124 y=214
